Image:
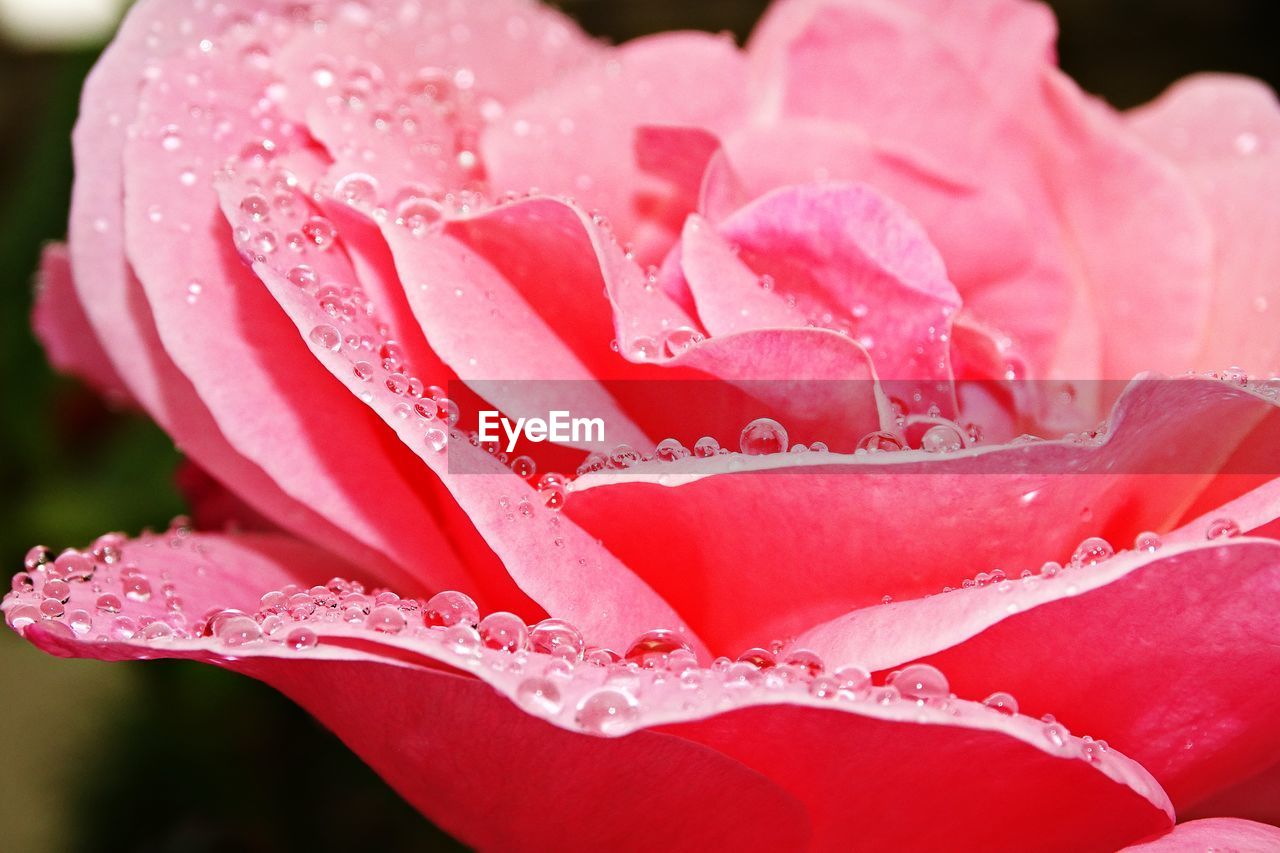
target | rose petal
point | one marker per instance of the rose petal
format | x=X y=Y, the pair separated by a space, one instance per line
x=1165 y=653
x=1223 y=132
x=70 y=341
x=928 y=87
x=778 y=542
x=566 y=140
x=110 y=293
x=453 y=746
x=1222 y=833
x=858 y=263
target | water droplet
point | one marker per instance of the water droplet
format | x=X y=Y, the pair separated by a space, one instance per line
x=852 y=679
x=941 y=438
x=681 y=339
x=524 y=467
x=1222 y=528
x=387 y=619
x=108 y=603
x=1147 y=541
x=1056 y=734
x=436 y=439
x=238 y=631
x=1092 y=551
x=451 y=608
x=557 y=638
x=136 y=587
x=326 y=337
x=706 y=447
x=670 y=450
x=539 y=696
x=659 y=641
x=73 y=564
x=504 y=631
x=607 y=712
x=37 y=557
x=301 y=276
x=319 y=232
x=920 y=682
x=256 y=207
x=880 y=441
x=57 y=589
x=763 y=436
x=1002 y=702
x=301 y=639
x=357 y=190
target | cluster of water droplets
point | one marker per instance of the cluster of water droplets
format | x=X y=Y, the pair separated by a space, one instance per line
x=548 y=668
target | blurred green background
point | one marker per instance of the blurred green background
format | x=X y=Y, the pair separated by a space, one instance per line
x=175 y=757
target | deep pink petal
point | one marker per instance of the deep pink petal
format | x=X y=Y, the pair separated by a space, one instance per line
x=778 y=541
x=763 y=765
x=1223 y=833
x=1224 y=133
x=1162 y=652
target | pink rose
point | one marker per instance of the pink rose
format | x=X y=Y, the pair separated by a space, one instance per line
x=298 y=230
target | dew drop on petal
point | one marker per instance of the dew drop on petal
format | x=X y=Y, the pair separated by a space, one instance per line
x=706 y=447
x=504 y=631
x=301 y=639
x=763 y=436
x=451 y=608
x=387 y=619
x=1092 y=551
x=880 y=441
x=659 y=641
x=557 y=638
x=607 y=712
x=1222 y=528
x=539 y=696
x=920 y=682
x=238 y=631
x=326 y=337
x=1147 y=541
x=1002 y=702
x=941 y=438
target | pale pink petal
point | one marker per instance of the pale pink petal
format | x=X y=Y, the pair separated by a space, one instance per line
x=439 y=714
x=1224 y=133
x=999 y=114
x=110 y=293
x=779 y=542
x=275 y=406
x=70 y=341
x=568 y=139
x=1223 y=833
x=991 y=240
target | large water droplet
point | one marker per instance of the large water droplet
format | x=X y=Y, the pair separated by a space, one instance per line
x=451 y=608
x=763 y=436
x=386 y=618
x=607 y=712
x=326 y=337
x=504 y=631
x=1092 y=551
x=539 y=696
x=238 y=631
x=557 y=638
x=921 y=682
x=1222 y=528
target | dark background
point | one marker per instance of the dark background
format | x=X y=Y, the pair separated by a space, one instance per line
x=175 y=757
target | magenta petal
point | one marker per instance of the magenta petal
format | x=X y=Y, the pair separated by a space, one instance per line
x=706 y=757
x=1223 y=833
